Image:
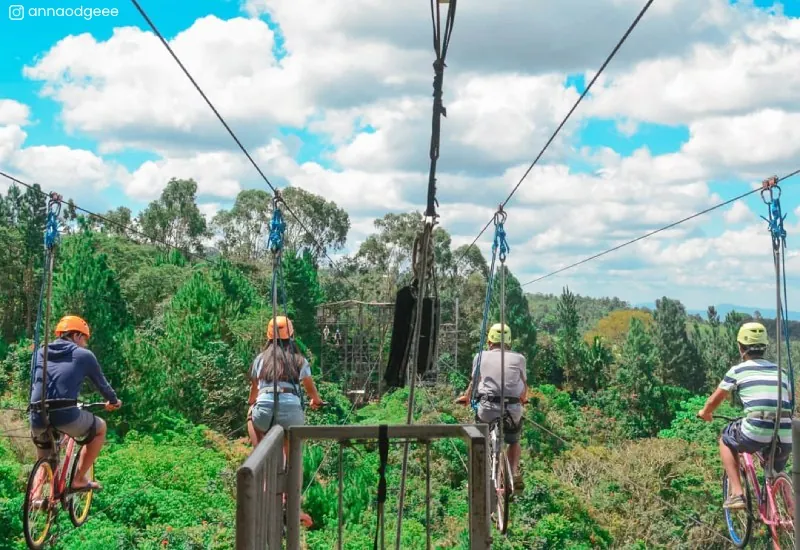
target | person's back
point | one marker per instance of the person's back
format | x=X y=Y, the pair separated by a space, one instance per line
x=756 y=382
x=510 y=368
x=491 y=371
x=69 y=363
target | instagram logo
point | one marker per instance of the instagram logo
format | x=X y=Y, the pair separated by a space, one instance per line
x=16 y=12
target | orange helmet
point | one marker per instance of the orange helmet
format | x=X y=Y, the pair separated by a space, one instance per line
x=285 y=328
x=72 y=323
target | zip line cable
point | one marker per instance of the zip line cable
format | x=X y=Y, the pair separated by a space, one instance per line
x=227 y=127
x=569 y=114
x=659 y=230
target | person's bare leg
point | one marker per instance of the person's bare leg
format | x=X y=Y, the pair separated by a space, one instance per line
x=514 y=453
x=255 y=435
x=730 y=461
x=39 y=481
x=89 y=454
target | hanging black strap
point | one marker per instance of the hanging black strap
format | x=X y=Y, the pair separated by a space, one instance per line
x=383 y=453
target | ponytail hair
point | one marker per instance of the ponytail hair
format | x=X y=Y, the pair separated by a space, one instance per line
x=281 y=362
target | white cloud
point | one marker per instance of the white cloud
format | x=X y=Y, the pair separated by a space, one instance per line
x=738 y=213
x=13 y=113
x=709 y=64
x=58 y=167
x=731 y=78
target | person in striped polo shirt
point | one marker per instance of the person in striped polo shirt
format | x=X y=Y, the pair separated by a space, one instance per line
x=756 y=381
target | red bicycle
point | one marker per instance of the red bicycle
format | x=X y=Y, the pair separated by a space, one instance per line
x=48 y=486
x=774 y=497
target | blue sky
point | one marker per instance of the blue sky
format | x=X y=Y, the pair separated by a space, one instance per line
x=29 y=40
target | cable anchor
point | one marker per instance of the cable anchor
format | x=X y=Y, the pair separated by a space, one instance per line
x=500 y=243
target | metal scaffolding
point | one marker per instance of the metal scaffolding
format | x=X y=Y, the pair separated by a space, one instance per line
x=354 y=337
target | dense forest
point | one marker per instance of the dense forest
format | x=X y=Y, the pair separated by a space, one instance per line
x=613 y=456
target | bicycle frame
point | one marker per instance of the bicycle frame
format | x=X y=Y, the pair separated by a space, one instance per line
x=768 y=506
x=63 y=468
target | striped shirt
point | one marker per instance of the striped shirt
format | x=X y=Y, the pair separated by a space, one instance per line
x=756 y=380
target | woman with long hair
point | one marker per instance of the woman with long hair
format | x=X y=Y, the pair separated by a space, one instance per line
x=280 y=369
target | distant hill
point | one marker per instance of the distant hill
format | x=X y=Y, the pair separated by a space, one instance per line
x=544 y=308
x=724 y=309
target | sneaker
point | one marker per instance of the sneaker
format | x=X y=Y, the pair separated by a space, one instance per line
x=735 y=502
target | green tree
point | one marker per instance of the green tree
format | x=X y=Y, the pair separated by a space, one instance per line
x=85 y=285
x=116 y=221
x=518 y=317
x=680 y=364
x=174 y=218
x=244 y=228
x=597 y=359
x=322 y=225
x=304 y=293
x=568 y=343
x=646 y=402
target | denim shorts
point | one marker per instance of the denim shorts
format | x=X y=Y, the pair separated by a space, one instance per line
x=289 y=414
x=735 y=440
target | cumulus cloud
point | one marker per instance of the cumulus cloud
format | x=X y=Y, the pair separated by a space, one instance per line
x=738 y=213
x=358 y=76
x=58 y=167
x=13 y=113
x=730 y=78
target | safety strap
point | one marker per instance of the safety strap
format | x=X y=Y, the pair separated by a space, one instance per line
x=499 y=245
x=277 y=228
x=51 y=239
x=383 y=454
x=771 y=194
x=501 y=248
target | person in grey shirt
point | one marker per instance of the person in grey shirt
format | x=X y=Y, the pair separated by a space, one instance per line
x=489 y=392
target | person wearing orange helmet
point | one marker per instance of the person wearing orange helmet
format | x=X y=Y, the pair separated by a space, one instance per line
x=69 y=363
x=279 y=370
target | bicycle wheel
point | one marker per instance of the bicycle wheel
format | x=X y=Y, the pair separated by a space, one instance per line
x=740 y=522
x=79 y=503
x=504 y=488
x=783 y=532
x=40 y=504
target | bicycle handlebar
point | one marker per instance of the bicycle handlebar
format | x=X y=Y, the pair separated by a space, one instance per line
x=728 y=418
x=89 y=406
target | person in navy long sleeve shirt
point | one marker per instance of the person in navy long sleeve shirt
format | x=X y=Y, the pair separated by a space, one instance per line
x=69 y=363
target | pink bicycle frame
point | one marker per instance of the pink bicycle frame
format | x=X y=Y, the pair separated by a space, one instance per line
x=768 y=514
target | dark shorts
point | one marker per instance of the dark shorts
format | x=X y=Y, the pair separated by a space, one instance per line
x=735 y=440
x=511 y=425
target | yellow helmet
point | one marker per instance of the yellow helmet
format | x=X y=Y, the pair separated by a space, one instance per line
x=752 y=334
x=496 y=330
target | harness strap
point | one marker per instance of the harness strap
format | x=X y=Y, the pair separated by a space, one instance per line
x=768 y=415
x=497 y=399
x=53 y=405
x=279 y=389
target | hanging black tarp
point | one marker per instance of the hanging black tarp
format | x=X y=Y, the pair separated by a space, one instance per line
x=402 y=330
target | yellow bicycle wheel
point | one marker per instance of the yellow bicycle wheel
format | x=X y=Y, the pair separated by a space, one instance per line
x=79 y=503
x=40 y=504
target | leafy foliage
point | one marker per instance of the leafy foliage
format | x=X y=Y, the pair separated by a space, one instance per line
x=613 y=454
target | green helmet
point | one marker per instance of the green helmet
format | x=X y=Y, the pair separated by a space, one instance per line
x=495 y=332
x=753 y=335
